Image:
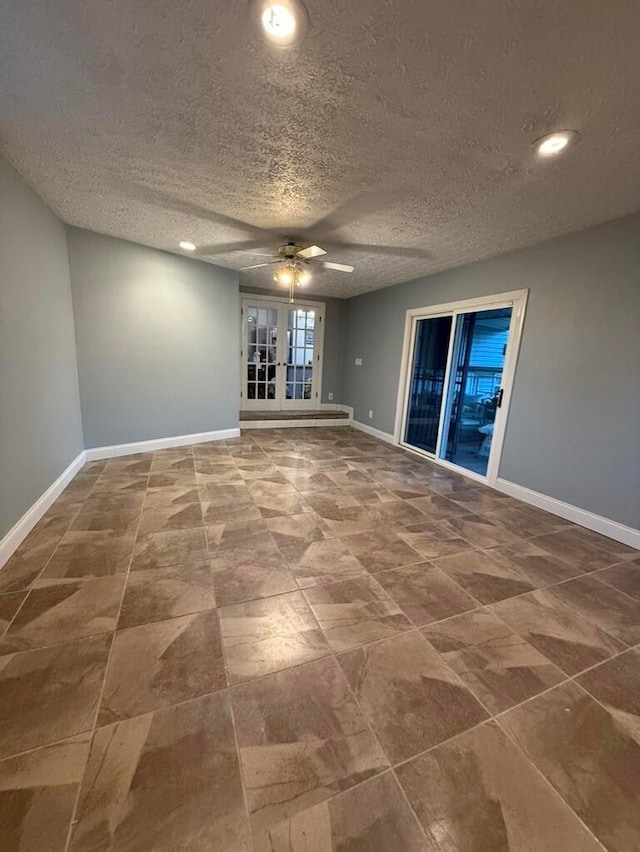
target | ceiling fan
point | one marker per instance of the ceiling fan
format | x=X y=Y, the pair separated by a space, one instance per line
x=292 y=261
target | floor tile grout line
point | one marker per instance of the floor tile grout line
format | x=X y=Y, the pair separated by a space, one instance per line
x=59 y=644
x=517 y=539
x=548 y=784
x=497 y=716
x=241 y=772
x=74 y=813
x=482 y=606
x=233 y=687
x=91 y=731
x=324 y=632
x=230 y=700
x=424 y=559
x=39 y=574
x=333 y=653
x=568 y=676
x=27 y=751
x=609 y=585
x=433 y=563
x=15 y=614
x=587 y=619
x=484 y=722
x=532 y=591
x=390 y=766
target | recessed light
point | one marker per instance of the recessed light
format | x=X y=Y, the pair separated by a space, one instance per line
x=187 y=246
x=554 y=143
x=278 y=22
x=282 y=23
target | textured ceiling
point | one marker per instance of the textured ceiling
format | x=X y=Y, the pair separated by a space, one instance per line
x=402 y=123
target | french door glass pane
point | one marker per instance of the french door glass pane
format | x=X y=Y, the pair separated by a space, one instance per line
x=261 y=353
x=479 y=350
x=300 y=343
x=427 y=382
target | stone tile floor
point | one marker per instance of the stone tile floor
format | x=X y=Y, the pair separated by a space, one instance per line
x=305 y=641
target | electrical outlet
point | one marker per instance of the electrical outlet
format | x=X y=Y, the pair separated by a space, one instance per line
x=370 y=414
x=330 y=397
x=358 y=362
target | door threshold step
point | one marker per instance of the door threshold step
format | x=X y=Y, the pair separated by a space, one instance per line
x=290 y=415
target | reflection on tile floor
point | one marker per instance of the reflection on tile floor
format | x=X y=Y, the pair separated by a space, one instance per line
x=306 y=640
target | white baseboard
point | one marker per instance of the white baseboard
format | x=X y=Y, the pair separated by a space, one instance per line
x=597 y=523
x=99 y=453
x=17 y=534
x=292 y=424
x=375 y=433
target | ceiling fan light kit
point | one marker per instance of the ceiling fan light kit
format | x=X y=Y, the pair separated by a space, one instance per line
x=292 y=261
x=292 y=275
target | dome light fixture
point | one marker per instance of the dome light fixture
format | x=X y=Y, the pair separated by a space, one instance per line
x=187 y=246
x=291 y=275
x=553 y=144
x=282 y=23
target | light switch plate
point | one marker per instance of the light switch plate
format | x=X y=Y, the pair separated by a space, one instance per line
x=358 y=362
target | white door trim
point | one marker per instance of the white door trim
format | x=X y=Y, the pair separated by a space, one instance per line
x=281 y=404
x=517 y=300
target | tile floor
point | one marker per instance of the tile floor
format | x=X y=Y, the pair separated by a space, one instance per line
x=308 y=641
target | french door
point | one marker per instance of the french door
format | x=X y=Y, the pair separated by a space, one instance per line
x=458 y=370
x=281 y=354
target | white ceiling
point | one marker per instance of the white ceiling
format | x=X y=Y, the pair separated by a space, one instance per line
x=404 y=123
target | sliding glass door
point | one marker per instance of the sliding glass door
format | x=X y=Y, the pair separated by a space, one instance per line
x=427 y=382
x=455 y=381
x=475 y=387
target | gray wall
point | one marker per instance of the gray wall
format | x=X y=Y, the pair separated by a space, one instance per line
x=574 y=423
x=155 y=336
x=334 y=320
x=40 y=425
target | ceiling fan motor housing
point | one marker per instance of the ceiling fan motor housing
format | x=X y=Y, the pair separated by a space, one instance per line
x=289 y=251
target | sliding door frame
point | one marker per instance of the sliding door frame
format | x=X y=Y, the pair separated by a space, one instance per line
x=515 y=299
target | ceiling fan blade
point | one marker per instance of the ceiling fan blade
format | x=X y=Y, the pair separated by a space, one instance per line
x=340 y=267
x=356 y=208
x=393 y=251
x=166 y=200
x=311 y=251
x=228 y=248
x=258 y=265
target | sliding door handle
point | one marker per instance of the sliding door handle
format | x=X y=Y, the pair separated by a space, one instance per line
x=499 y=399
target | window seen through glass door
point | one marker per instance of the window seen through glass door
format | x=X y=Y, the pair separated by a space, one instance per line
x=300 y=348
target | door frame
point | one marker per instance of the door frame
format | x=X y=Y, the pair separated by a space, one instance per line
x=515 y=299
x=318 y=349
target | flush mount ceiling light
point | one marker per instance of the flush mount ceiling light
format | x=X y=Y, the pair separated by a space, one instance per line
x=187 y=246
x=282 y=23
x=554 y=143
